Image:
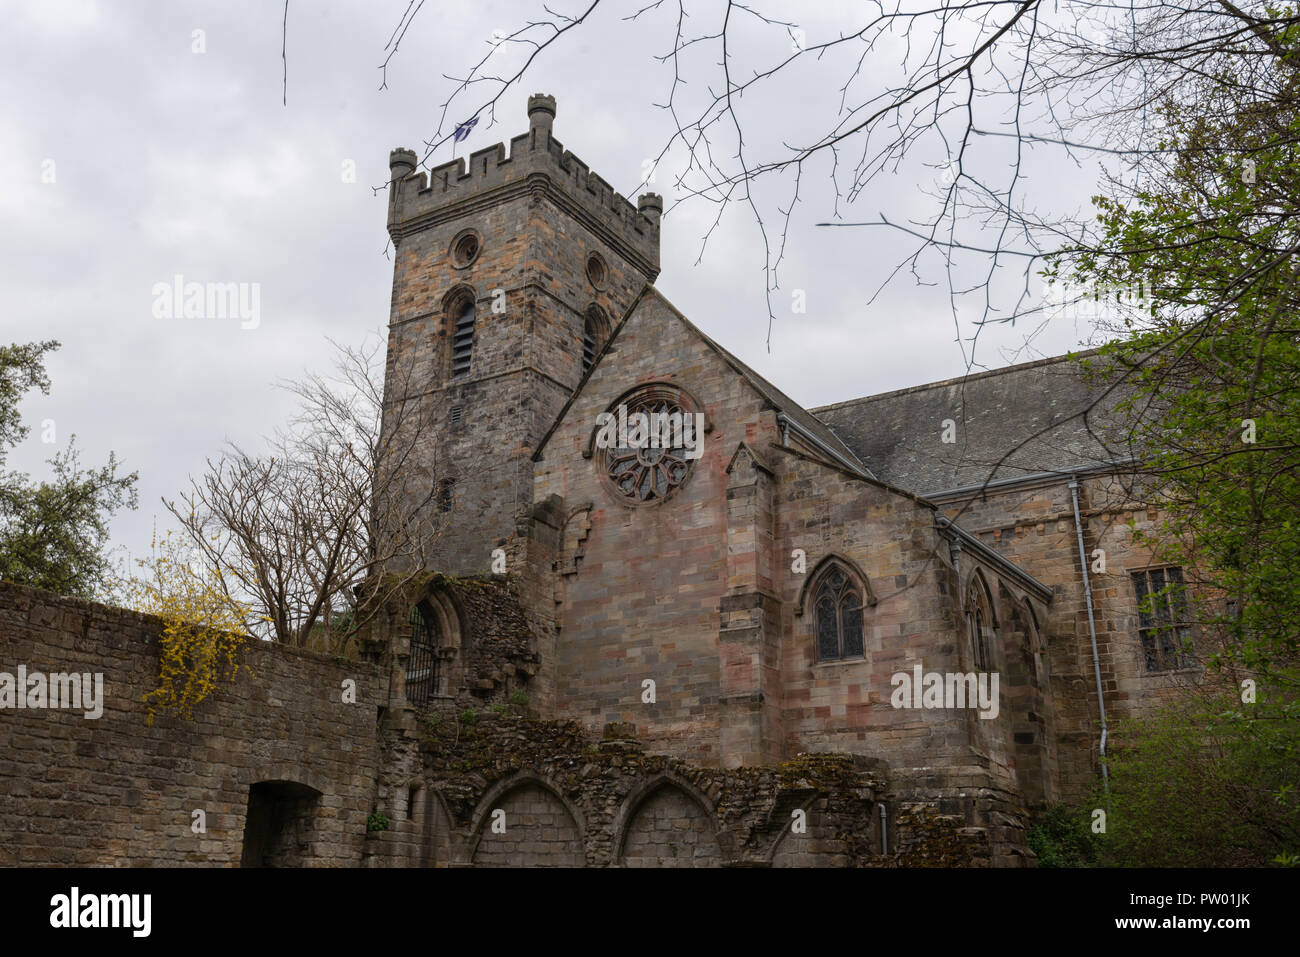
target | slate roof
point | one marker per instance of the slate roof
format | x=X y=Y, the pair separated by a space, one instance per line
x=1030 y=418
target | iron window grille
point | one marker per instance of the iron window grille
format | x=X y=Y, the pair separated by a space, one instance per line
x=422 y=666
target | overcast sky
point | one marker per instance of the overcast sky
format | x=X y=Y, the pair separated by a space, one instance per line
x=128 y=156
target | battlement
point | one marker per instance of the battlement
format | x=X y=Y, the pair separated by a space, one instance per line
x=536 y=160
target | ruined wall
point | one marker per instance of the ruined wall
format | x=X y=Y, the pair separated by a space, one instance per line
x=557 y=791
x=113 y=791
x=536 y=830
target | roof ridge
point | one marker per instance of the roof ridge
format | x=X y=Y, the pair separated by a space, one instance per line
x=765 y=387
x=956 y=380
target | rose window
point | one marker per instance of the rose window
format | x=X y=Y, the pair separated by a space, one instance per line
x=650 y=457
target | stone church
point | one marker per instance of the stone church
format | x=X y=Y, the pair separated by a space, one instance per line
x=673 y=618
x=860 y=634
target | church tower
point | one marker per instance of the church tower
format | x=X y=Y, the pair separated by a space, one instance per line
x=511 y=269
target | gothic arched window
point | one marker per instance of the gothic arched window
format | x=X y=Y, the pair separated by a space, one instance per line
x=594 y=330
x=979 y=617
x=837 y=613
x=422 y=666
x=978 y=641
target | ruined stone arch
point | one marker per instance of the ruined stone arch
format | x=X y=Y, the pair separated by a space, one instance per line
x=443 y=615
x=667 y=822
x=542 y=826
x=432 y=818
x=779 y=847
x=288 y=771
x=281 y=816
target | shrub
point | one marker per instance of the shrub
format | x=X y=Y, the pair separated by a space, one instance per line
x=1063 y=837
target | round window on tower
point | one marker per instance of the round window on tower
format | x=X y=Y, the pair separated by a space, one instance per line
x=465 y=248
x=597 y=272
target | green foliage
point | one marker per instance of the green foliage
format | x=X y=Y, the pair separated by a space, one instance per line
x=519 y=698
x=53 y=533
x=22 y=368
x=1208 y=369
x=1063 y=837
x=1206 y=782
x=469 y=717
x=501 y=708
x=376 y=822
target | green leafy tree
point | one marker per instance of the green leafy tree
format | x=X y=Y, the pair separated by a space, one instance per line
x=53 y=533
x=1207 y=360
x=1210 y=367
x=1205 y=782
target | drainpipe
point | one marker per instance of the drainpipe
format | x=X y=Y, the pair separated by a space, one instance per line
x=884 y=830
x=1092 y=630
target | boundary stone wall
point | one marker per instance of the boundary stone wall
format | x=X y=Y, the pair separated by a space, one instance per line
x=115 y=791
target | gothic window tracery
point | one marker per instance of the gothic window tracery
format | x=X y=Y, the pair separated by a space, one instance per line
x=837 y=614
x=646 y=468
x=979 y=619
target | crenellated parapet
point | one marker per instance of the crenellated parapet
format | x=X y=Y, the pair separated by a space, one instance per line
x=535 y=161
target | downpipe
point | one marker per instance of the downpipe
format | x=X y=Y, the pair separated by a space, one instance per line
x=1092 y=631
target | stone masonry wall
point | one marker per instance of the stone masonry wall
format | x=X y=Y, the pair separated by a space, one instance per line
x=1034 y=527
x=114 y=791
x=538 y=215
x=642 y=599
x=554 y=789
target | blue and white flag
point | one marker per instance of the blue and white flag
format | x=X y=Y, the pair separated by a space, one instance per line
x=462 y=131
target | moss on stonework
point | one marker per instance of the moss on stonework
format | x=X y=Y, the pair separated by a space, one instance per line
x=752 y=803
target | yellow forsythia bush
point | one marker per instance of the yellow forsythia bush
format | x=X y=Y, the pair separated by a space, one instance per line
x=203 y=628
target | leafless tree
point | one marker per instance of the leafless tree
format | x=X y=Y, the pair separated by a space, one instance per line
x=338 y=514
x=973 y=88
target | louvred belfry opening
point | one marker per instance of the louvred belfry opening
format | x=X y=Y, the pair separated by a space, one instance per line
x=463 y=343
